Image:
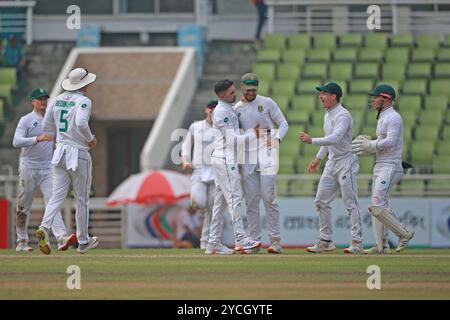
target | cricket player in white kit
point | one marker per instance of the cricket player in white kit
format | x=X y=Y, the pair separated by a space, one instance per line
x=69 y=114
x=259 y=178
x=35 y=172
x=201 y=136
x=227 y=178
x=341 y=170
x=388 y=168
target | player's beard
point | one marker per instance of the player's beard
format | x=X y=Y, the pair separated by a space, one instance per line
x=250 y=97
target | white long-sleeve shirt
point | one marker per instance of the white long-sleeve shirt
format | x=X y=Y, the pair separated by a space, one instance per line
x=389 y=136
x=34 y=155
x=69 y=113
x=338 y=134
x=227 y=135
x=263 y=111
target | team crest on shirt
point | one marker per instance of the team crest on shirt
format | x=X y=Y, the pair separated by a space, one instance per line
x=383 y=182
x=225 y=120
x=239 y=114
x=260 y=108
x=84 y=105
x=344 y=177
x=35 y=124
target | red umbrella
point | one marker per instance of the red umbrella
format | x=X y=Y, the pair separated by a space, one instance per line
x=152 y=187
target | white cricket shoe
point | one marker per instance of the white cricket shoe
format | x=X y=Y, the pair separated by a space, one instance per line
x=247 y=244
x=354 y=248
x=403 y=242
x=22 y=246
x=66 y=242
x=275 y=247
x=218 y=249
x=374 y=250
x=92 y=244
x=322 y=246
x=203 y=245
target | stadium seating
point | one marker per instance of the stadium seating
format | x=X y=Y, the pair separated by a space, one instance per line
x=417 y=66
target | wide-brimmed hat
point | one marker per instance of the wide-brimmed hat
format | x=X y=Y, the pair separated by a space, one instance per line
x=78 y=78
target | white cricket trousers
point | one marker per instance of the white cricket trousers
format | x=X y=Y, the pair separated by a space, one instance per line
x=202 y=197
x=385 y=176
x=258 y=185
x=341 y=174
x=228 y=194
x=29 y=181
x=81 y=180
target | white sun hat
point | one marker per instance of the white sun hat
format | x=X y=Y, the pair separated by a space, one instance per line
x=78 y=78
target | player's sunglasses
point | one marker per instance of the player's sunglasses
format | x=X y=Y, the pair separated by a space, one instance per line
x=250 y=82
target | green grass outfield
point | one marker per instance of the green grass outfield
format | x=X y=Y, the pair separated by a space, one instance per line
x=189 y=274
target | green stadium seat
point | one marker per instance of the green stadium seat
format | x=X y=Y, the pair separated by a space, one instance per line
x=281 y=101
x=282 y=186
x=310 y=151
x=437 y=103
x=443 y=54
x=342 y=84
x=288 y=71
x=422 y=153
x=440 y=86
x=315 y=132
x=370 y=130
x=430 y=41
x=318 y=55
x=406 y=136
x=268 y=55
x=375 y=40
x=366 y=164
x=283 y=88
x=294 y=56
x=426 y=132
x=397 y=55
x=446 y=133
x=415 y=87
x=438 y=186
x=402 y=40
x=409 y=103
x=441 y=164
x=265 y=71
x=446 y=42
x=264 y=87
x=308 y=86
x=355 y=102
x=299 y=41
x=442 y=70
x=298 y=116
x=350 y=40
x=370 y=55
x=419 y=70
x=8 y=76
x=393 y=71
x=315 y=70
x=410 y=187
x=443 y=149
x=340 y=71
x=293 y=133
x=364 y=187
x=366 y=70
x=371 y=120
x=304 y=102
x=358 y=119
x=420 y=55
x=289 y=149
x=2 y=113
x=275 y=41
x=409 y=119
x=325 y=41
x=361 y=86
x=317 y=117
x=6 y=94
x=431 y=118
x=345 y=54
x=302 y=187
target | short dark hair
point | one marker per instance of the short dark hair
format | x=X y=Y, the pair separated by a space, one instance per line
x=222 y=85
